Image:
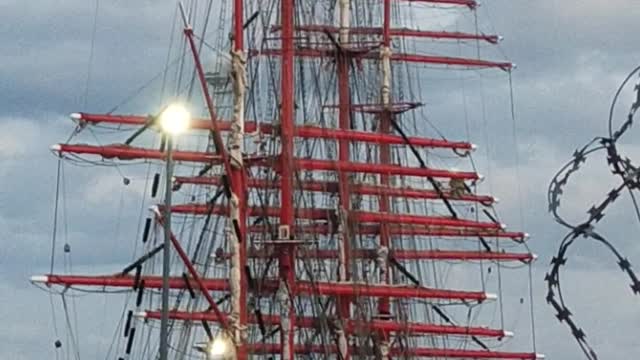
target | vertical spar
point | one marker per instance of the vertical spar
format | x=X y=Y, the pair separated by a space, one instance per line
x=286 y=231
x=238 y=199
x=385 y=155
x=230 y=162
x=344 y=123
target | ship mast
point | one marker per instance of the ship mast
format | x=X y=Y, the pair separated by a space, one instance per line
x=238 y=201
x=344 y=124
x=286 y=231
x=325 y=301
x=384 y=157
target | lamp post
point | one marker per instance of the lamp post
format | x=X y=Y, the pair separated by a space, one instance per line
x=174 y=120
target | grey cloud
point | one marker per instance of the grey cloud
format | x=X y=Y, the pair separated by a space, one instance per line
x=47 y=47
x=571 y=55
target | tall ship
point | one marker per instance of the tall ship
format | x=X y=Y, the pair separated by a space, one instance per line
x=301 y=204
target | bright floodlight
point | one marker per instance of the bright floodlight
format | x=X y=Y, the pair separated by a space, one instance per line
x=220 y=348
x=175 y=119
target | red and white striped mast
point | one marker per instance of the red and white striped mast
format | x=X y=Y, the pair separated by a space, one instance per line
x=238 y=201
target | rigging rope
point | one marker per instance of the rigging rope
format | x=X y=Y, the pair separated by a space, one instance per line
x=55 y=216
x=520 y=203
x=91 y=52
x=69 y=327
x=630 y=176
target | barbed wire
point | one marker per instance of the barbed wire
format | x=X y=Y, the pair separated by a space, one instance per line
x=621 y=167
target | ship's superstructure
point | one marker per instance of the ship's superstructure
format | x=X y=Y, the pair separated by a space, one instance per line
x=322 y=214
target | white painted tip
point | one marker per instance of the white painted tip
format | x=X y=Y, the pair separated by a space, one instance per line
x=514 y=66
x=474 y=147
x=41 y=279
x=540 y=356
x=503 y=226
x=534 y=257
x=526 y=235
x=155 y=209
x=491 y=296
x=140 y=314
x=496 y=200
x=56 y=147
x=75 y=116
x=500 y=38
x=480 y=177
x=508 y=334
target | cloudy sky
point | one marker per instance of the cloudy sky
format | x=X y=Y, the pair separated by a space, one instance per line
x=571 y=55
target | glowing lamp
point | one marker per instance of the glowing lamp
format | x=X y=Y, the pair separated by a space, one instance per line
x=220 y=348
x=175 y=119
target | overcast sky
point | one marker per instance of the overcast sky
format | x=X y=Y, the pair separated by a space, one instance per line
x=571 y=56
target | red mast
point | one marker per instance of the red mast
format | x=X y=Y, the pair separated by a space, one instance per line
x=344 y=124
x=385 y=152
x=287 y=232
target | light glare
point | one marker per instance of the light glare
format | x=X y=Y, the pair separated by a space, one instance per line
x=219 y=348
x=175 y=119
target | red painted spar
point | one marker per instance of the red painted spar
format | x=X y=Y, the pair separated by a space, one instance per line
x=350 y=324
x=300 y=131
x=126 y=152
x=399 y=32
x=410 y=230
x=372 y=168
x=412 y=352
x=329 y=214
x=332 y=187
x=298 y=288
x=370 y=254
x=412 y=58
